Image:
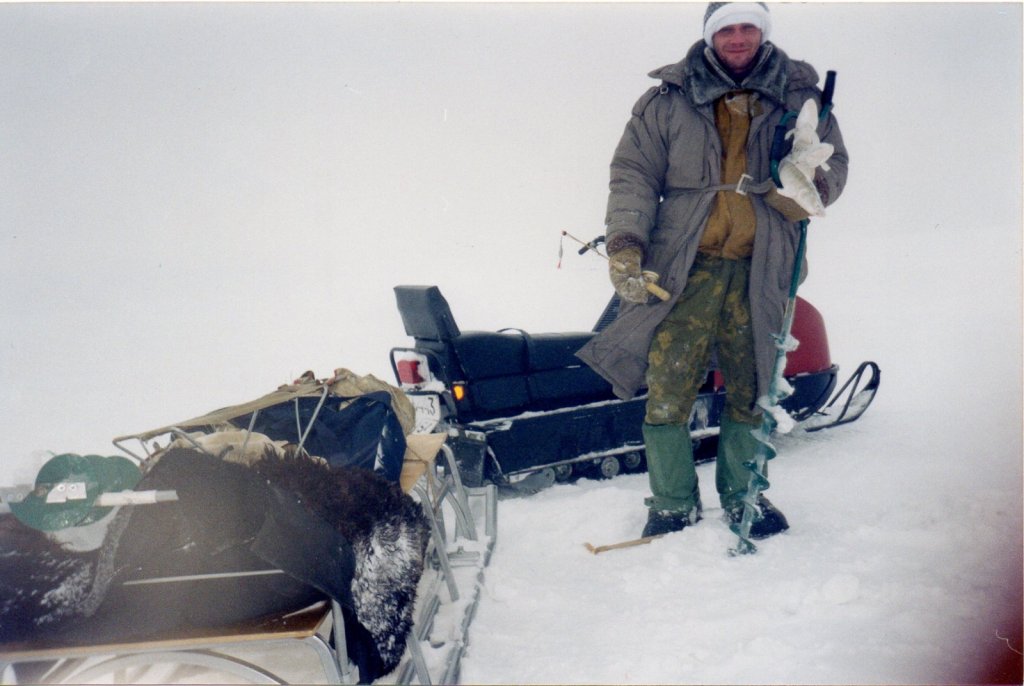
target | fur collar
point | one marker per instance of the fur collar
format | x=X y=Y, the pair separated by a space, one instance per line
x=704 y=80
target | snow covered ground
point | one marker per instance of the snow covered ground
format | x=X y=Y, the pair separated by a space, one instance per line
x=902 y=566
x=206 y=200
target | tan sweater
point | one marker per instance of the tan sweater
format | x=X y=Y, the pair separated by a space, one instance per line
x=730 y=229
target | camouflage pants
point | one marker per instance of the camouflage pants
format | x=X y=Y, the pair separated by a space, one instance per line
x=712 y=314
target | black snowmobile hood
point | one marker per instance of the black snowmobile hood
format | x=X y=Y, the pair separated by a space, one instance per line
x=703 y=80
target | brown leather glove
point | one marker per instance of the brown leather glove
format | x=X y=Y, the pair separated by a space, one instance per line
x=629 y=280
x=787 y=207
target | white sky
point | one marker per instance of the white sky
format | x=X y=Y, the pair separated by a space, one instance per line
x=201 y=201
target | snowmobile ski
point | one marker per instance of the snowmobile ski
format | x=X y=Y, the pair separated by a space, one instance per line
x=854 y=401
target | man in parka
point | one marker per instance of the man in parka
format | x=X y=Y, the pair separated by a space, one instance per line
x=692 y=204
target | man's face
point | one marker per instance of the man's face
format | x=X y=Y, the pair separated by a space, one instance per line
x=736 y=45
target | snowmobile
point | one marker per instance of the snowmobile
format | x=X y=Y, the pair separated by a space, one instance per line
x=518 y=404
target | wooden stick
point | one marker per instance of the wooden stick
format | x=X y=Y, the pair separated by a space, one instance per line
x=652 y=287
x=597 y=549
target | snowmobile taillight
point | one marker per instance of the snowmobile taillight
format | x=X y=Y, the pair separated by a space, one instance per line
x=409 y=372
x=459 y=391
x=411 y=368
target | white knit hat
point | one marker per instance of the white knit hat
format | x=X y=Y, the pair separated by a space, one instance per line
x=722 y=14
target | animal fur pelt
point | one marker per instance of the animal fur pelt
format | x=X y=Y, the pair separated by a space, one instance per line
x=42 y=582
x=343 y=532
x=388 y=534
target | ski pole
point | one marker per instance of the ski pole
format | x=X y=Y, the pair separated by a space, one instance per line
x=652 y=287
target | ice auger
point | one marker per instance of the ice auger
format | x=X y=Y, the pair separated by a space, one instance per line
x=76 y=490
x=779 y=389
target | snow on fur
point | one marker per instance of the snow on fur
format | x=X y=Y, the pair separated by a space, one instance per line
x=45 y=585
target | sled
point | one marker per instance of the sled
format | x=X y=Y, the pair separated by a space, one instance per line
x=462 y=523
x=214 y=648
x=521 y=410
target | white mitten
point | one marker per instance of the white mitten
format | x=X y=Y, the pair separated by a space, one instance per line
x=796 y=170
x=798 y=187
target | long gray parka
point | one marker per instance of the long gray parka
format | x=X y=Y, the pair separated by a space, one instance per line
x=662 y=175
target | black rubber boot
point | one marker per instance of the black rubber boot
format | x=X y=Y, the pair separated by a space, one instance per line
x=771 y=522
x=666 y=521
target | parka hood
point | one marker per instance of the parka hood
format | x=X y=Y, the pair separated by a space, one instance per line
x=700 y=76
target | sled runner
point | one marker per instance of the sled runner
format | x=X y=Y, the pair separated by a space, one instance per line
x=304 y=574
x=515 y=403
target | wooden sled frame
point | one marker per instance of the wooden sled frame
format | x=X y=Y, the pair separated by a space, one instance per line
x=456 y=561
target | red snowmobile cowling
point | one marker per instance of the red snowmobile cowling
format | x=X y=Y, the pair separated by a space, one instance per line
x=812 y=355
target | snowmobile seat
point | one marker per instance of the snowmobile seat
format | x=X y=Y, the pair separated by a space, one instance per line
x=505 y=372
x=427 y=316
x=557 y=376
x=425 y=313
x=512 y=370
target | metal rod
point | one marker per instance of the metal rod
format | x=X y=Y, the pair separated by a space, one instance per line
x=652 y=288
x=588 y=246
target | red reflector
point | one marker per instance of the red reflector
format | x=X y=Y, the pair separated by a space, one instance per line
x=719 y=380
x=409 y=372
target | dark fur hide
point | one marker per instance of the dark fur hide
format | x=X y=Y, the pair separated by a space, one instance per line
x=41 y=581
x=704 y=80
x=377 y=537
x=388 y=534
